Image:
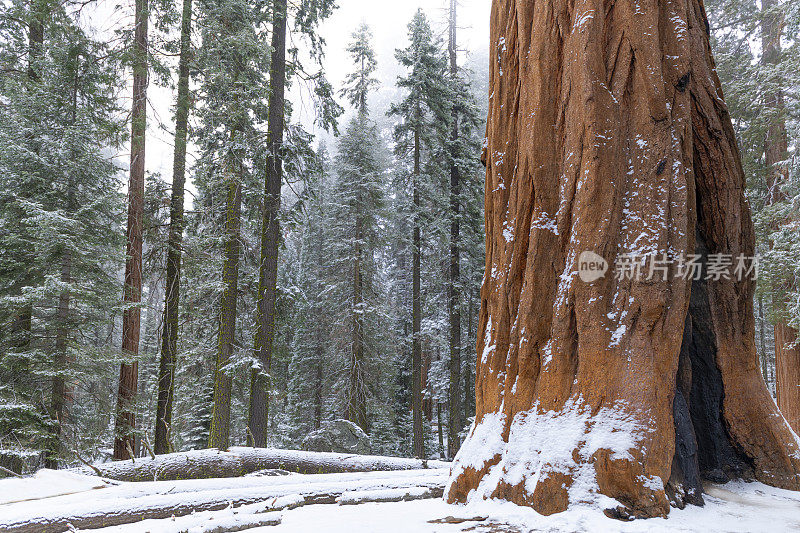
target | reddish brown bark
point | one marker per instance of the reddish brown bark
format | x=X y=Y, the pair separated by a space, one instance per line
x=787 y=355
x=787 y=373
x=607 y=132
x=124 y=442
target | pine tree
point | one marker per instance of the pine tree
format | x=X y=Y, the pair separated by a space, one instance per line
x=358 y=190
x=59 y=210
x=462 y=147
x=309 y=380
x=233 y=82
x=423 y=111
x=270 y=233
x=307 y=17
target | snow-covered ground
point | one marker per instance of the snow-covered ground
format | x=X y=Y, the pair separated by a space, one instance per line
x=270 y=505
x=735 y=507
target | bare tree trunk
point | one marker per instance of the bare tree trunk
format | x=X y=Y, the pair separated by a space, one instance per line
x=607 y=133
x=762 y=340
x=125 y=425
x=787 y=354
x=469 y=394
x=319 y=378
x=38 y=16
x=454 y=421
x=418 y=440
x=169 y=338
x=219 y=436
x=59 y=384
x=356 y=397
x=270 y=235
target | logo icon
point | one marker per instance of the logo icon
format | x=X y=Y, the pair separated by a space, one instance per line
x=591 y=267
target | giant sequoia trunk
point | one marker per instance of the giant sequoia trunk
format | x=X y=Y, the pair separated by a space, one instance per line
x=607 y=132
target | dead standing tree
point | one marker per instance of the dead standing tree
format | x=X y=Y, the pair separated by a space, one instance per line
x=607 y=132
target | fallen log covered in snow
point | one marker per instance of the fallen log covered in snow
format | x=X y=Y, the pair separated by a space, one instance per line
x=130 y=503
x=240 y=461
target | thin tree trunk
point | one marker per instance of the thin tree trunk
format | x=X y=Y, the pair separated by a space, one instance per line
x=787 y=354
x=454 y=422
x=169 y=338
x=356 y=400
x=439 y=428
x=762 y=340
x=418 y=440
x=219 y=436
x=270 y=235
x=38 y=16
x=469 y=395
x=318 y=389
x=125 y=425
x=59 y=398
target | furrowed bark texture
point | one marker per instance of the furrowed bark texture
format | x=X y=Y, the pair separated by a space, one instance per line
x=125 y=424
x=787 y=373
x=607 y=132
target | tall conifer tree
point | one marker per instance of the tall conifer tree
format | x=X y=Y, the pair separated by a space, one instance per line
x=423 y=114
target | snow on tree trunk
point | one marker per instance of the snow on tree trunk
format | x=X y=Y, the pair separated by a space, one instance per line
x=607 y=132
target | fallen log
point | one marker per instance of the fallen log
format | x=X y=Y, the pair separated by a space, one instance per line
x=133 y=503
x=213 y=524
x=240 y=461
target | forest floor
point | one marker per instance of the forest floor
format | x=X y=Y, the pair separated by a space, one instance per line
x=353 y=503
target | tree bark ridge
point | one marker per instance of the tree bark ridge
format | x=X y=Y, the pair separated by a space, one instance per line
x=607 y=133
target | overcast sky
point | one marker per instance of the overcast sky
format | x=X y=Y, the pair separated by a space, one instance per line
x=388 y=20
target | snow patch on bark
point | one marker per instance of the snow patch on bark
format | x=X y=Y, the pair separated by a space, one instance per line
x=484 y=442
x=488 y=345
x=543 y=442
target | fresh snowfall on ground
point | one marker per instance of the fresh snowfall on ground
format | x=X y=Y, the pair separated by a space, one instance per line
x=397 y=501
